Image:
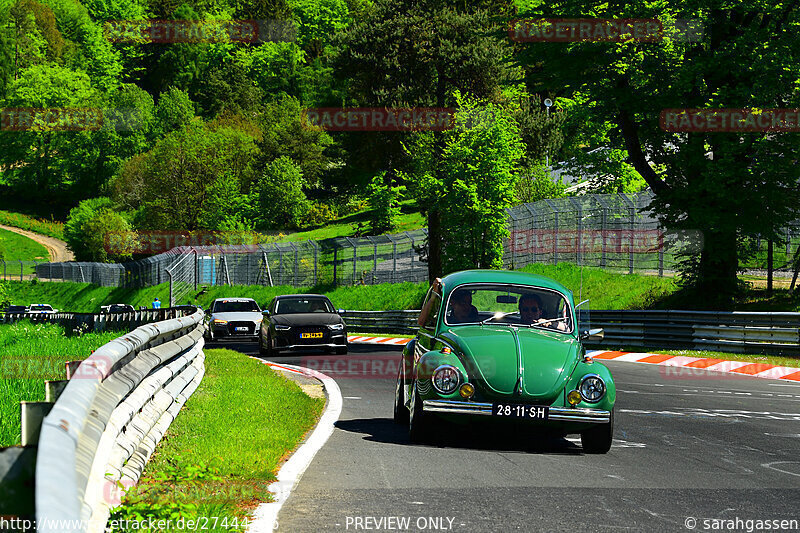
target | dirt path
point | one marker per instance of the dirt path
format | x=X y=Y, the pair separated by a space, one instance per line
x=56 y=248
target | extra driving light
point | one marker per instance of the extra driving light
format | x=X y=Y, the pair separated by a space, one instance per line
x=574 y=397
x=446 y=379
x=446 y=349
x=592 y=388
x=466 y=391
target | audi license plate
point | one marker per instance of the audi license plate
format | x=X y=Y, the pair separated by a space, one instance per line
x=311 y=335
x=242 y=328
x=512 y=410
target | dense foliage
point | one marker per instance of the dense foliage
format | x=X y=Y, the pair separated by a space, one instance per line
x=213 y=134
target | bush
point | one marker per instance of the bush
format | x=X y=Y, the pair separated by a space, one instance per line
x=281 y=199
x=536 y=184
x=384 y=201
x=95 y=232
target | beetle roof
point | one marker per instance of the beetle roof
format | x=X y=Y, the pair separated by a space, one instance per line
x=501 y=276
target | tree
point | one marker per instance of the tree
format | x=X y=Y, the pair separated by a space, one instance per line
x=318 y=21
x=474 y=184
x=170 y=185
x=95 y=232
x=384 y=202
x=39 y=156
x=282 y=202
x=714 y=182
x=406 y=53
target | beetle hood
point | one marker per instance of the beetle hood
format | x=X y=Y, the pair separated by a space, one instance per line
x=528 y=363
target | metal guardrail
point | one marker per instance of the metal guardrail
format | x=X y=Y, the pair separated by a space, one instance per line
x=738 y=332
x=95 y=322
x=106 y=423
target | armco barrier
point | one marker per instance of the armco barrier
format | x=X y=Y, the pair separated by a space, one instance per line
x=95 y=322
x=743 y=332
x=105 y=425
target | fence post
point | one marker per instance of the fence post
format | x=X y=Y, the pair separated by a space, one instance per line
x=20 y=269
x=394 y=259
x=555 y=231
x=296 y=264
x=335 y=253
x=316 y=258
x=196 y=268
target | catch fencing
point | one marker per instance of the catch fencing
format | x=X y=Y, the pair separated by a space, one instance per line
x=611 y=231
x=736 y=332
x=101 y=431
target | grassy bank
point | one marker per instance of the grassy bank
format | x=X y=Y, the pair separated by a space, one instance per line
x=603 y=289
x=225 y=447
x=45 y=227
x=29 y=355
x=16 y=247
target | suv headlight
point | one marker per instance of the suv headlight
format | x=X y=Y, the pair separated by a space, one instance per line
x=446 y=379
x=592 y=388
x=336 y=327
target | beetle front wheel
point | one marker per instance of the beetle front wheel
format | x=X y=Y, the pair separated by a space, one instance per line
x=400 y=409
x=419 y=428
x=598 y=439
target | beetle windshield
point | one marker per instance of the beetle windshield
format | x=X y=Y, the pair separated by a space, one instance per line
x=509 y=304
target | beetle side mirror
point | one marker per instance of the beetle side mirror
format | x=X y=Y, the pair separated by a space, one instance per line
x=593 y=335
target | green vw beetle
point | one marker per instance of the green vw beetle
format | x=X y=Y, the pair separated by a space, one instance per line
x=500 y=345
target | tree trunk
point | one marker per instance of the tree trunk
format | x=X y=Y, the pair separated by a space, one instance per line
x=770 y=257
x=434 y=244
x=717 y=281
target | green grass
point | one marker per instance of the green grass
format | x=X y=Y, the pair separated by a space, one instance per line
x=409 y=219
x=226 y=445
x=45 y=227
x=29 y=354
x=15 y=247
x=606 y=290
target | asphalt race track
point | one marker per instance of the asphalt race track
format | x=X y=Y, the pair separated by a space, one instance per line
x=688 y=450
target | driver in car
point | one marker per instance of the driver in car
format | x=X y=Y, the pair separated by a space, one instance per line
x=530 y=311
x=462 y=308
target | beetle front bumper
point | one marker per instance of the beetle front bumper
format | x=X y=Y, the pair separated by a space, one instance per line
x=561 y=414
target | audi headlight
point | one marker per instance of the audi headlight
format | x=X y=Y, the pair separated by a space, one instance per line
x=282 y=328
x=336 y=327
x=220 y=322
x=592 y=388
x=446 y=379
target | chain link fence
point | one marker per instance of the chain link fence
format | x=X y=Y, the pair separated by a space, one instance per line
x=610 y=231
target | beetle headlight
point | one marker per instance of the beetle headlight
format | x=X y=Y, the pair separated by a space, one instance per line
x=592 y=388
x=446 y=379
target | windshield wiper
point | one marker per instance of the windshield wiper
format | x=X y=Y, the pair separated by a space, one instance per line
x=498 y=316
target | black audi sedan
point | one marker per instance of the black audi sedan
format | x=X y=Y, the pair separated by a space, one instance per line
x=296 y=321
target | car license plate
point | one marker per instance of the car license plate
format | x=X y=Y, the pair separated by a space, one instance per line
x=242 y=328
x=311 y=335
x=511 y=410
